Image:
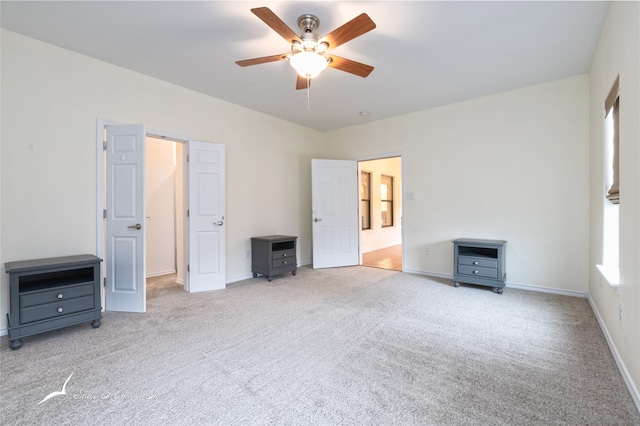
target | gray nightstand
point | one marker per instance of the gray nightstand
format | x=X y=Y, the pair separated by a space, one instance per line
x=479 y=262
x=47 y=294
x=273 y=255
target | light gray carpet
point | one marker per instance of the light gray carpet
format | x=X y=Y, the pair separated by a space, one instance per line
x=349 y=346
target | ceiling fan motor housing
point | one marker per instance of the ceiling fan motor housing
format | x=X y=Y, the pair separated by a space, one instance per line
x=308 y=23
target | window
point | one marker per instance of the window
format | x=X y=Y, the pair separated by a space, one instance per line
x=611 y=212
x=386 y=200
x=365 y=200
x=612 y=117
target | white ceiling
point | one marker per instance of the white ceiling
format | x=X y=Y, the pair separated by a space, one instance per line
x=425 y=53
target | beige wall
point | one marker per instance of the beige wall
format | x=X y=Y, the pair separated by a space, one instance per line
x=51 y=99
x=511 y=166
x=618 y=53
x=161 y=194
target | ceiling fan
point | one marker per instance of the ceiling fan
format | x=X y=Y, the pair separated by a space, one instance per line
x=309 y=52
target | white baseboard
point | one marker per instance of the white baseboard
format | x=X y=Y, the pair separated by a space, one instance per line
x=161 y=273
x=239 y=278
x=541 y=289
x=4 y=331
x=628 y=381
x=527 y=287
x=429 y=274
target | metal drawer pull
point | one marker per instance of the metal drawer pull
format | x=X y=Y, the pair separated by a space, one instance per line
x=285 y=262
x=136 y=226
x=218 y=223
x=284 y=255
x=60 y=309
x=60 y=295
x=475 y=262
x=317 y=219
x=475 y=272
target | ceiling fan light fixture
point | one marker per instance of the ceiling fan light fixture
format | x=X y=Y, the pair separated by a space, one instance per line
x=322 y=47
x=308 y=64
x=309 y=44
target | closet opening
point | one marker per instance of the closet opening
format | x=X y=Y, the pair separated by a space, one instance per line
x=164 y=217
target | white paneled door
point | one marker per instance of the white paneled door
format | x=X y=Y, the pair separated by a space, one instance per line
x=125 y=233
x=334 y=208
x=206 y=256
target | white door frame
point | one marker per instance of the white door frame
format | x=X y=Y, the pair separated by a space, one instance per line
x=402 y=217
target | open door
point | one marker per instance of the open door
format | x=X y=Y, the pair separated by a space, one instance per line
x=206 y=270
x=125 y=233
x=123 y=249
x=334 y=209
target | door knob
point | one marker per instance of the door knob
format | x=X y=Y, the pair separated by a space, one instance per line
x=136 y=226
x=218 y=223
x=317 y=219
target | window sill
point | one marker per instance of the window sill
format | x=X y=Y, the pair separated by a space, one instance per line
x=610 y=274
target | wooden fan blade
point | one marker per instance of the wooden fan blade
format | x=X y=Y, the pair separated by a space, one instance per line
x=354 y=28
x=263 y=60
x=276 y=24
x=350 y=66
x=302 y=82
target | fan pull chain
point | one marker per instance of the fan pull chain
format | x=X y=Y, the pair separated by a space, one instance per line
x=308 y=94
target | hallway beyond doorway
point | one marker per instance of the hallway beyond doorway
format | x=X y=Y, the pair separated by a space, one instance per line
x=386 y=258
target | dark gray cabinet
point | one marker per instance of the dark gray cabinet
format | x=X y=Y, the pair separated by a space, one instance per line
x=480 y=262
x=273 y=254
x=47 y=294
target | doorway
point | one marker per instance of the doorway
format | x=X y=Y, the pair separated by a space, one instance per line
x=380 y=183
x=344 y=230
x=164 y=218
x=121 y=214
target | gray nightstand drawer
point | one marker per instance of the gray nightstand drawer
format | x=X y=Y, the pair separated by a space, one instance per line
x=279 y=263
x=56 y=295
x=475 y=261
x=478 y=271
x=56 y=309
x=283 y=253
